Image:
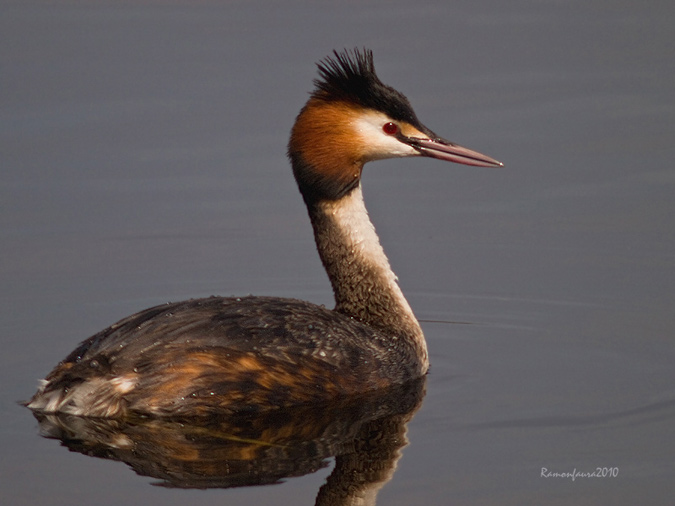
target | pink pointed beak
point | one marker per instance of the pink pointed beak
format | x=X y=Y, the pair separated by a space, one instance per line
x=448 y=151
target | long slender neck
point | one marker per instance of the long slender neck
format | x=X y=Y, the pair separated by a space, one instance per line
x=365 y=287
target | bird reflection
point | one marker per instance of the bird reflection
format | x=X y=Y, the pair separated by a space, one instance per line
x=365 y=435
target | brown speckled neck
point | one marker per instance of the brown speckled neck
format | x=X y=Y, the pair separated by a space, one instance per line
x=364 y=285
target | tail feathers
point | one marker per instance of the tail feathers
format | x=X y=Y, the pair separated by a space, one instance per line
x=93 y=398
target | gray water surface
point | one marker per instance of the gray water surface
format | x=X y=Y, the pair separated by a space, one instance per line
x=143 y=160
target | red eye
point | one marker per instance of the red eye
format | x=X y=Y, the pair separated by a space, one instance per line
x=390 y=128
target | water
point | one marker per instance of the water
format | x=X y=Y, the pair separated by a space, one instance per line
x=143 y=161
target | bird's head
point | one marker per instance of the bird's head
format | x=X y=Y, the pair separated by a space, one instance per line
x=352 y=118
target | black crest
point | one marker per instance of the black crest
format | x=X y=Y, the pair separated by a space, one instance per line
x=350 y=76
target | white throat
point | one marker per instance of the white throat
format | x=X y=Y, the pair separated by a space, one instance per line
x=351 y=217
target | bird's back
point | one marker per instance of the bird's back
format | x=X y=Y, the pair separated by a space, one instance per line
x=224 y=355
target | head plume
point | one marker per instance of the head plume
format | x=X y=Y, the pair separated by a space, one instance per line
x=350 y=76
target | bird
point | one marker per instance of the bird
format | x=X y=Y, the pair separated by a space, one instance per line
x=240 y=355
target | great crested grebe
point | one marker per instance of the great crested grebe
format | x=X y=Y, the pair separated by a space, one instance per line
x=228 y=355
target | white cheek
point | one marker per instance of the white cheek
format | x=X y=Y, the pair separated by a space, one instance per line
x=379 y=145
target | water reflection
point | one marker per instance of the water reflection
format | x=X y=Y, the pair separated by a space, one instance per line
x=364 y=434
